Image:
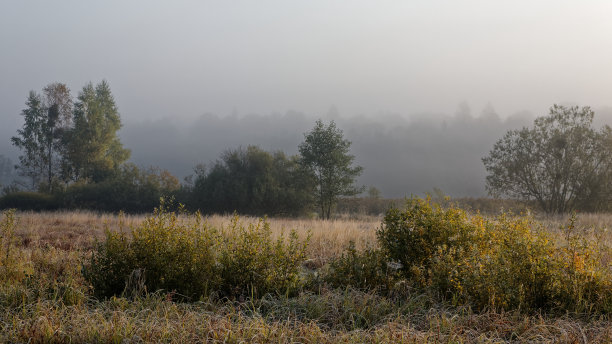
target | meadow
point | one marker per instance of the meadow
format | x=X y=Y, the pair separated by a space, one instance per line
x=333 y=293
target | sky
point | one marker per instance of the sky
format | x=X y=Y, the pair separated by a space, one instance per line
x=176 y=62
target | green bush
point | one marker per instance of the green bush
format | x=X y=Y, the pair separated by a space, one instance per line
x=131 y=189
x=364 y=270
x=186 y=256
x=172 y=254
x=29 y=201
x=586 y=280
x=506 y=263
x=509 y=266
x=416 y=236
x=252 y=263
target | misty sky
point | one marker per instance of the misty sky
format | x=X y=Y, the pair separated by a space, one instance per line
x=174 y=62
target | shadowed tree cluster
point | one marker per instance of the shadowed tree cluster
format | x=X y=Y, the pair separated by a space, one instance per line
x=73 y=156
x=252 y=181
x=63 y=142
x=562 y=162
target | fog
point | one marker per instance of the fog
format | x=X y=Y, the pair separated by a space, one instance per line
x=400 y=157
x=422 y=88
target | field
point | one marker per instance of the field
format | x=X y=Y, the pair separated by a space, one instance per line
x=47 y=298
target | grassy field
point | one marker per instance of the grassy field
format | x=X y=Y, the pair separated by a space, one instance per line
x=52 y=302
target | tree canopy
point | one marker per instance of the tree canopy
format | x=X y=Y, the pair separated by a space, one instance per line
x=562 y=162
x=46 y=119
x=325 y=155
x=73 y=155
x=94 y=149
x=252 y=181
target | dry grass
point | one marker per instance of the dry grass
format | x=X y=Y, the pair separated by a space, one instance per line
x=154 y=320
x=595 y=227
x=79 y=230
x=54 y=242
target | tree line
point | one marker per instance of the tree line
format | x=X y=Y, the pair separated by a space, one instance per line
x=73 y=157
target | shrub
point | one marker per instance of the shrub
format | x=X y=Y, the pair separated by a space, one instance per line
x=252 y=263
x=509 y=266
x=131 y=189
x=29 y=201
x=504 y=263
x=172 y=254
x=188 y=257
x=415 y=236
x=365 y=270
x=586 y=280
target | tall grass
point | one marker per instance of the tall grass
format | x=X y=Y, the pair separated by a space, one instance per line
x=338 y=296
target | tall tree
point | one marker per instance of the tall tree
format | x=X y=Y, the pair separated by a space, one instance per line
x=30 y=139
x=562 y=163
x=94 y=149
x=41 y=138
x=325 y=154
x=57 y=103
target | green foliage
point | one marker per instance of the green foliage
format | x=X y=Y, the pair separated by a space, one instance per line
x=506 y=263
x=509 y=267
x=31 y=138
x=47 y=274
x=41 y=137
x=252 y=181
x=252 y=263
x=188 y=257
x=562 y=162
x=325 y=155
x=171 y=254
x=65 y=143
x=513 y=266
x=586 y=280
x=415 y=236
x=365 y=270
x=23 y=200
x=130 y=189
x=94 y=151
